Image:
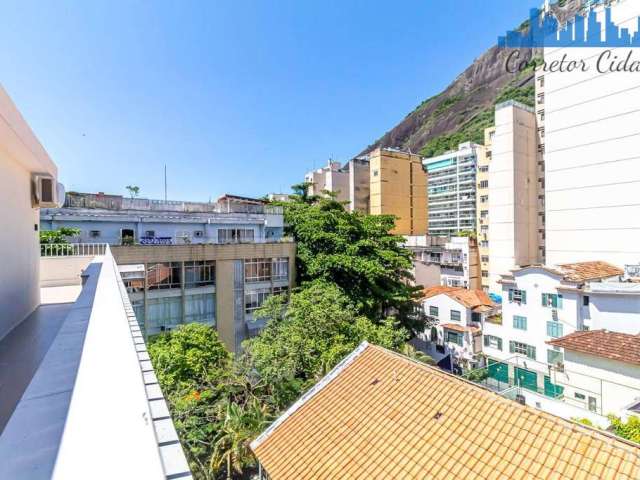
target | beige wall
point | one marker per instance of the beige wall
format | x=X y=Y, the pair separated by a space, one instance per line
x=224 y=256
x=482 y=205
x=62 y=271
x=20 y=156
x=398 y=186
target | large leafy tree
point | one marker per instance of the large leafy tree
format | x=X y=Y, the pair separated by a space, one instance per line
x=356 y=252
x=217 y=404
x=305 y=338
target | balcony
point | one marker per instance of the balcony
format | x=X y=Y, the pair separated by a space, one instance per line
x=494 y=319
x=79 y=392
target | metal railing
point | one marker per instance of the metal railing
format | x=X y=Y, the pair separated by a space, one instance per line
x=72 y=249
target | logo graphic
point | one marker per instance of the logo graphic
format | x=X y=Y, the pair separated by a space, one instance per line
x=546 y=31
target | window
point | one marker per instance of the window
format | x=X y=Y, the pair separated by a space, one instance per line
x=484 y=184
x=254 y=299
x=280 y=290
x=198 y=234
x=483 y=168
x=280 y=268
x=522 y=349
x=257 y=270
x=518 y=296
x=519 y=322
x=585 y=300
x=484 y=198
x=484 y=258
x=433 y=311
x=554 y=357
x=484 y=213
x=163 y=275
x=554 y=329
x=579 y=396
x=199 y=273
x=236 y=235
x=455 y=315
x=200 y=308
x=163 y=314
x=552 y=300
x=485 y=274
x=454 y=337
x=493 y=342
x=375 y=173
x=150 y=233
x=94 y=233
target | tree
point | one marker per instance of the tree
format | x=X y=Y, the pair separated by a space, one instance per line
x=134 y=190
x=358 y=254
x=629 y=430
x=58 y=237
x=306 y=338
x=241 y=424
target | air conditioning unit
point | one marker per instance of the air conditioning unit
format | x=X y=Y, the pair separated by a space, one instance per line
x=45 y=191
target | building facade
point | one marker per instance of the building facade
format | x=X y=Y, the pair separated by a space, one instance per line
x=116 y=220
x=217 y=285
x=592 y=170
x=452 y=190
x=452 y=262
x=398 y=186
x=482 y=206
x=332 y=178
x=513 y=204
x=456 y=316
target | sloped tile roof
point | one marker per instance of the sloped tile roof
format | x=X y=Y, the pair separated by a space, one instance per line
x=477 y=300
x=583 y=271
x=380 y=415
x=460 y=328
x=622 y=347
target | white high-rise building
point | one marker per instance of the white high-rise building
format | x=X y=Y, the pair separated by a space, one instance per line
x=591 y=128
x=452 y=190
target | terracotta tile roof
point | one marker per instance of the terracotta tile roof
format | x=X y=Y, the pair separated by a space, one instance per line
x=460 y=328
x=583 y=271
x=622 y=347
x=476 y=300
x=379 y=415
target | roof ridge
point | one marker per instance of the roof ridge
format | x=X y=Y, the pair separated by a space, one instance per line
x=309 y=394
x=570 y=424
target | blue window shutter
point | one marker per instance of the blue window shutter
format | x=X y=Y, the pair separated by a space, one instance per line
x=524 y=296
x=511 y=295
x=544 y=299
x=559 y=301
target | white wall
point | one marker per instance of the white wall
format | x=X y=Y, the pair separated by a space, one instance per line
x=615 y=385
x=20 y=156
x=61 y=271
x=619 y=313
x=592 y=163
x=535 y=282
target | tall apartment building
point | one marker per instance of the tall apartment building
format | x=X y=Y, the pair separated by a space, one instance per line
x=349 y=183
x=398 y=186
x=452 y=190
x=482 y=206
x=591 y=138
x=513 y=238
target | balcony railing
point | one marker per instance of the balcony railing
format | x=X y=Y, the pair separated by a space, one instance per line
x=72 y=249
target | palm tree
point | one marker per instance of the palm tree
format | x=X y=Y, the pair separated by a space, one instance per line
x=241 y=424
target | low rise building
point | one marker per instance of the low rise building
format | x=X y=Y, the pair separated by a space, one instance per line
x=118 y=220
x=600 y=371
x=456 y=316
x=378 y=414
x=452 y=190
x=218 y=285
x=452 y=262
x=541 y=304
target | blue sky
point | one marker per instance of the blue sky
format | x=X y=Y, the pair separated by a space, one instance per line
x=235 y=96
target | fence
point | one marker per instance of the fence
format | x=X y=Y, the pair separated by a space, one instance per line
x=72 y=249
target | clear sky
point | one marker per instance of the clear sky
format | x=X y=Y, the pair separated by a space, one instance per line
x=234 y=96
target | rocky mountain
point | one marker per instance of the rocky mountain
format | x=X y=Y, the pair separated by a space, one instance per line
x=466 y=107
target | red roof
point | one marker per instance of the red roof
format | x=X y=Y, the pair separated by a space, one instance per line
x=622 y=347
x=476 y=300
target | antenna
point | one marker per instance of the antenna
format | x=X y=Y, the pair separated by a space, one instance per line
x=165 y=182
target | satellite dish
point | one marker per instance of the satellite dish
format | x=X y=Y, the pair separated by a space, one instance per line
x=61 y=195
